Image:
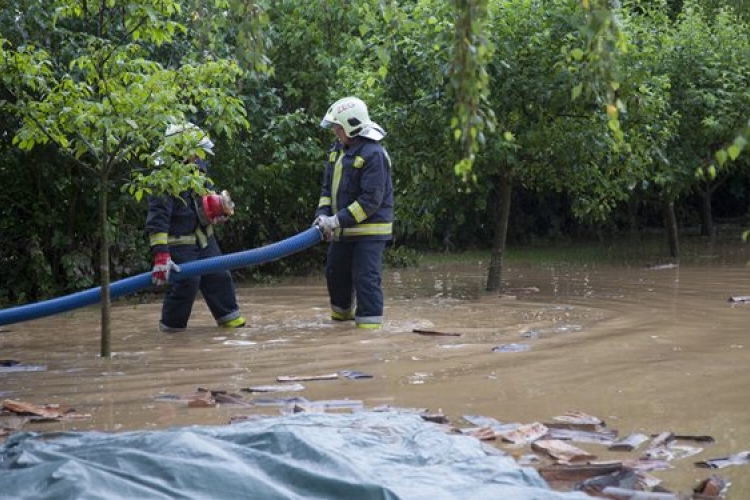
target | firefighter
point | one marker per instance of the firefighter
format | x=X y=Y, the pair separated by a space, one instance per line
x=355 y=213
x=181 y=229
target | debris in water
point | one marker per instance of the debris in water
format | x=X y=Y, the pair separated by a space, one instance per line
x=511 y=348
x=11 y=365
x=525 y=434
x=742 y=458
x=712 y=487
x=354 y=375
x=303 y=378
x=275 y=388
x=629 y=443
x=435 y=333
x=561 y=450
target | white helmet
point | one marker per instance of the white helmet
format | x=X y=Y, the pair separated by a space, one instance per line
x=204 y=141
x=351 y=113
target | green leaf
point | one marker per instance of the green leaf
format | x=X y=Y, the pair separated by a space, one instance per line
x=576 y=92
x=721 y=157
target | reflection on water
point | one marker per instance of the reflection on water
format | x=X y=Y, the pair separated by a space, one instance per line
x=646 y=350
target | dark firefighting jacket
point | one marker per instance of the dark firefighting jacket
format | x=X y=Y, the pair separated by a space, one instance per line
x=173 y=220
x=358 y=188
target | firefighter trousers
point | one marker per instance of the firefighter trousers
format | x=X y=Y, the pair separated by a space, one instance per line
x=217 y=288
x=353 y=274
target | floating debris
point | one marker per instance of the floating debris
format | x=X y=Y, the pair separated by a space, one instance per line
x=629 y=443
x=279 y=401
x=435 y=333
x=355 y=375
x=511 y=348
x=275 y=388
x=11 y=366
x=525 y=434
x=303 y=378
x=742 y=458
x=436 y=418
x=578 y=473
x=616 y=493
x=323 y=406
x=712 y=487
x=743 y=299
x=42 y=413
x=561 y=450
x=579 y=419
x=671 y=452
x=603 y=437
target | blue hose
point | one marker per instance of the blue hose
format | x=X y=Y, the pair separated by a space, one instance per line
x=142 y=281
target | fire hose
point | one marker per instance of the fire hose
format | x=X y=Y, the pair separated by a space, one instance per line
x=255 y=256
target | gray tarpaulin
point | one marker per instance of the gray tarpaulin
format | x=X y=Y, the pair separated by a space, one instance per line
x=360 y=456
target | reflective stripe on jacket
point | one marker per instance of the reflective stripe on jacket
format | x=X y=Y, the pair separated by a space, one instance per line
x=173 y=221
x=357 y=187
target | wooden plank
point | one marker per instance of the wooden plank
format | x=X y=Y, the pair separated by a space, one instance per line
x=561 y=450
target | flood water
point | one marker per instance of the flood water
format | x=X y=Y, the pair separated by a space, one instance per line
x=645 y=350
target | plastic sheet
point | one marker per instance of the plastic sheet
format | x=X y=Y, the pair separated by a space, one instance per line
x=368 y=455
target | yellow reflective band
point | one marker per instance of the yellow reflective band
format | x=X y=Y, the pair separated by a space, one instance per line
x=158 y=239
x=332 y=156
x=182 y=240
x=369 y=326
x=358 y=162
x=357 y=212
x=369 y=229
x=325 y=201
x=337 y=170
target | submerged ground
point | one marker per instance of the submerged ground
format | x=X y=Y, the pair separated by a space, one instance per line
x=645 y=349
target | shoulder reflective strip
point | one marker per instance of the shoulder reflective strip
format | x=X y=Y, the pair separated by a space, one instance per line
x=337 y=169
x=358 y=162
x=357 y=212
x=332 y=156
x=325 y=201
x=369 y=229
x=182 y=240
x=158 y=239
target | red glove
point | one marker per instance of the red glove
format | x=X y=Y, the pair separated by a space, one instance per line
x=163 y=265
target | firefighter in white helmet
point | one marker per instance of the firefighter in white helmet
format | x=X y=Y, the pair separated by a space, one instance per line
x=355 y=213
x=181 y=229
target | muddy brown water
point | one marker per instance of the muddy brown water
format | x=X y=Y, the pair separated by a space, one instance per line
x=645 y=350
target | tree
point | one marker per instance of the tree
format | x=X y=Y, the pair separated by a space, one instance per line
x=710 y=75
x=87 y=87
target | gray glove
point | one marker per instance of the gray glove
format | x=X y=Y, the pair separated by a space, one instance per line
x=327 y=225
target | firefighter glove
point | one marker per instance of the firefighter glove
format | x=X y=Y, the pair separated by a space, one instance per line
x=163 y=265
x=327 y=225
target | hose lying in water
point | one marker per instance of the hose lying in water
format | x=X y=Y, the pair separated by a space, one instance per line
x=142 y=281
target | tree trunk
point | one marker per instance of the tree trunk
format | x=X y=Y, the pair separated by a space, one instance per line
x=106 y=305
x=670 y=223
x=500 y=232
x=707 y=221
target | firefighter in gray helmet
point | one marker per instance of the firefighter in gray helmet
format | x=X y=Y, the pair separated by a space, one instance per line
x=181 y=229
x=355 y=213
